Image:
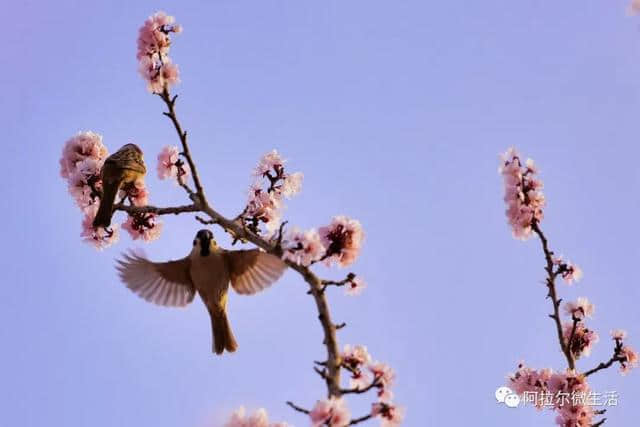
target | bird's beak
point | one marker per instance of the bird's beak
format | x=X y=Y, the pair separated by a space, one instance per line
x=205 y=246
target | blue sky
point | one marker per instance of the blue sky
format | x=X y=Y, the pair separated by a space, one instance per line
x=396 y=113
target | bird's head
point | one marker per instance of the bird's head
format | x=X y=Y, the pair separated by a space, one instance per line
x=204 y=242
x=133 y=147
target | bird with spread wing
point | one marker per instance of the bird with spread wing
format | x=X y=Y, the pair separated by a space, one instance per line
x=208 y=269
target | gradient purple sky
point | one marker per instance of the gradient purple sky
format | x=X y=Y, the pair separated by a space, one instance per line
x=395 y=112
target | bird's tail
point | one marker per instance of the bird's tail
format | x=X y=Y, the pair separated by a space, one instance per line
x=223 y=338
x=105 y=210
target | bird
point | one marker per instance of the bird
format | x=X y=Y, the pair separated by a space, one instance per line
x=125 y=166
x=207 y=270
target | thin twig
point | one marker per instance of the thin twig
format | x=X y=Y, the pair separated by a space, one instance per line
x=360 y=420
x=616 y=357
x=205 y=221
x=357 y=390
x=551 y=285
x=298 y=408
x=170 y=102
x=175 y=210
x=604 y=365
x=327 y=283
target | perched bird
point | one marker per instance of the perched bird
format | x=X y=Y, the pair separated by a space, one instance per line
x=125 y=166
x=208 y=269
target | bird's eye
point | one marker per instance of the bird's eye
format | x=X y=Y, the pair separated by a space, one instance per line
x=194 y=242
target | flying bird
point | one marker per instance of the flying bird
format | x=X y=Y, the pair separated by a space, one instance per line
x=208 y=270
x=125 y=166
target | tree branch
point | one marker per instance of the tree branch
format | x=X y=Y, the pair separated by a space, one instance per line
x=175 y=210
x=604 y=365
x=551 y=285
x=170 y=102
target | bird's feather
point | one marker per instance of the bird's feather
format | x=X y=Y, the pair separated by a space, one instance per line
x=164 y=283
x=253 y=270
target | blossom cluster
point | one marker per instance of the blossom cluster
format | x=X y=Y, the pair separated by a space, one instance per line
x=154 y=64
x=579 y=338
x=338 y=243
x=576 y=335
x=522 y=193
x=80 y=164
x=332 y=412
x=171 y=166
x=626 y=356
x=379 y=376
x=266 y=194
x=561 y=385
x=259 y=419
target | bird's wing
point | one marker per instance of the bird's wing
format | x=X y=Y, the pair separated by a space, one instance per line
x=163 y=283
x=253 y=270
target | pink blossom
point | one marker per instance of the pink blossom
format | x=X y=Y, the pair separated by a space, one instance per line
x=264 y=207
x=153 y=36
x=529 y=380
x=265 y=202
x=385 y=376
x=155 y=65
x=354 y=357
x=355 y=287
x=99 y=238
x=630 y=361
x=302 y=247
x=572 y=273
x=84 y=183
x=583 y=339
x=343 y=240
x=170 y=165
x=169 y=72
x=634 y=7
x=547 y=387
x=292 y=184
x=270 y=161
x=158 y=74
x=82 y=146
x=145 y=226
x=331 y=412
x=619 y=334
x=391 y=415
x=258 y=419
x=360 y=379
x=85 y=198
x=568 y=382
x=523 y=194
x=571 y=415
x=580 y=309
x=136 y=192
